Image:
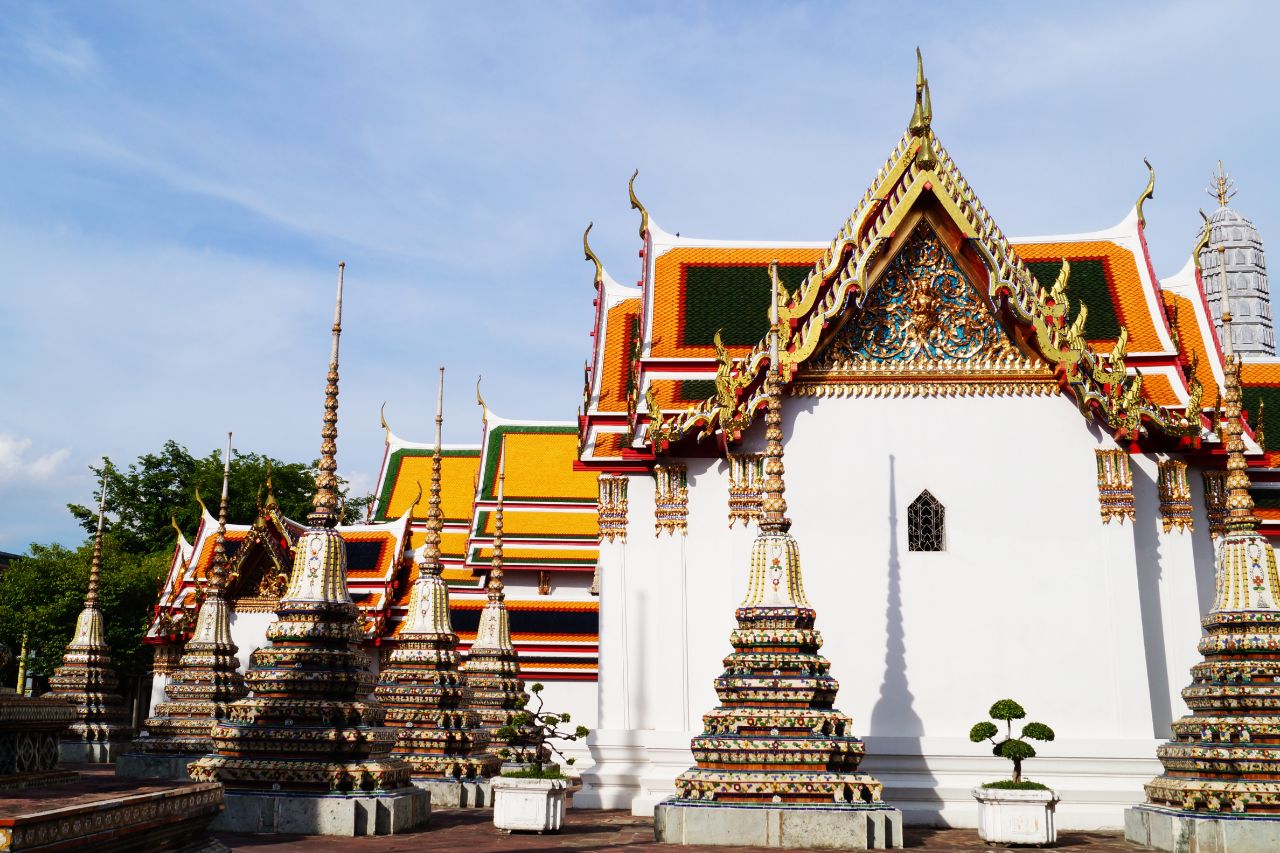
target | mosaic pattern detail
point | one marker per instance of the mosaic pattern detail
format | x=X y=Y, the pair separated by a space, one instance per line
x=1175 y=496
x=923 y=307
x=86 y=677
x=611 y=511
x=206 y=680
x=1115 y=486
x=746 y=487
x=29 y=731
x=309 y=724
x=671 y=499
x=1225 y=755
x=421 y=685
x=775 y=738
x=1215 y=501
x=492 y=670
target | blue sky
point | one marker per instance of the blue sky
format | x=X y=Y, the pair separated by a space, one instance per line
x=179 y=182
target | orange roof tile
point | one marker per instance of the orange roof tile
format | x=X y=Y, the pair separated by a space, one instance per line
x=619 y=337
x=1119 y=295
x=410 y=467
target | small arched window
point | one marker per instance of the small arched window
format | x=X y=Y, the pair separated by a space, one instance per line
x=926 y=524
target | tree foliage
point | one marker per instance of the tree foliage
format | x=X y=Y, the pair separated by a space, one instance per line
x=538 y=727
x=143 y=498
x=42 y=594
x=1016 y=749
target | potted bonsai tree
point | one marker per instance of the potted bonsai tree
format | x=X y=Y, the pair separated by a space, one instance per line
x=530 y=793
x=1016 y=810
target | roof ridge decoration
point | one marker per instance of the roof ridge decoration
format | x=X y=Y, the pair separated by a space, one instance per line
x=1100 y=383
x=1148 y=192
x=591 y=256
x=636 y=205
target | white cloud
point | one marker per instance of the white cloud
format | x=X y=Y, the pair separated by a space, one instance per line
x=16 y=466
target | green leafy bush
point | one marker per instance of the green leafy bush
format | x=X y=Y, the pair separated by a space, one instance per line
x=1010 y=785
x=1016 y=749
x=538 y=728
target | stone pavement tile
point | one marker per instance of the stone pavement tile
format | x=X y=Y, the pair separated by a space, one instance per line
x=589 y=831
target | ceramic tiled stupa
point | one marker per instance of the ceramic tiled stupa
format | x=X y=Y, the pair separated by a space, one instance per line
x=87 y=679
x=492 y=669
x=1221 y=780
x=307 y=751
x=777 y=765
x=422 y=687
x=203 y=686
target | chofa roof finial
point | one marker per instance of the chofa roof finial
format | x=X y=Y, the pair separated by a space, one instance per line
x=922 y=118
x=591 y=256
x=636 y=205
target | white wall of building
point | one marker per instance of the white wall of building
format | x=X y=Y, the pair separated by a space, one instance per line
x=1091 y=627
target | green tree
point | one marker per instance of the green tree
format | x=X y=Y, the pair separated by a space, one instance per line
x=1016 y=749
x=42 y=594
x=143 y=498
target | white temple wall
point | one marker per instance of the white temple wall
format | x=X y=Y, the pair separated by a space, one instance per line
x=1091 y=627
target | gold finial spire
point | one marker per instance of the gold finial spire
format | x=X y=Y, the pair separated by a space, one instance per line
x=1149 y=191
x=435 y=518
x=204 y=510
x=591 y=256
x=173 y=522
x=1222 y=187
x=922 y=118
x=218 y=578
x=495 y=572
x=1202 y=243
x=324 y=511
x=636 y=205
x=774 y=506
x=382 y=417
x=1239 y=502
x=95 y=566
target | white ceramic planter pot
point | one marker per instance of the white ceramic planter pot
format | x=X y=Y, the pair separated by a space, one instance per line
x=1016 y=817
x=531 y=805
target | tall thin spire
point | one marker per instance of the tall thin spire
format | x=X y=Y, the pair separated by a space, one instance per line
x=218 y=578
x=1239 y=502
x=774 y=507
x=95 y=567
x=435 y=517
x=1222 y=187
x=324 y=511
x=496 y=592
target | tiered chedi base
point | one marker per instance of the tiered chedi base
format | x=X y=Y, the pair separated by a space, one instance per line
x=87 y=679
x=492 y=675
x=199 y=692
x=423 y=692
x=776 y=739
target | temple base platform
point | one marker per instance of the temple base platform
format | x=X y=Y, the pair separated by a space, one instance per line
x=1192 y=832
x=101 y=813
x=454 y=794
x=360 y=813
x=858 y=827
x=146 y=765
x=90 y=752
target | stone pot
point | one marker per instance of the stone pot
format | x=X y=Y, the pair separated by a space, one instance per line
x=530 y=805
x=1016 y=817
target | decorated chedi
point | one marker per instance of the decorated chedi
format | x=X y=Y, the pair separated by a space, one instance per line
x=205 y=682
x=307 y=751
x=493 y=668
x=776 y=764
x=86 y=678
x=1221 y=780
x=422 y=687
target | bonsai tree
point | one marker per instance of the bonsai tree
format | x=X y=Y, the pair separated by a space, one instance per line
x=538 y=728
x=1016 y=749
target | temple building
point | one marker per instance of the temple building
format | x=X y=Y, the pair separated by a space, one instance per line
x=1004 y=458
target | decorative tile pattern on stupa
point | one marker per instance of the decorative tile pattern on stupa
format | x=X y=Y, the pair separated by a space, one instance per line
x=1115 y=486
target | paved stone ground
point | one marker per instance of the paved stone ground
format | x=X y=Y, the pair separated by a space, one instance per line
x=97 y=782
x=471 y=830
